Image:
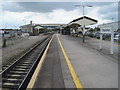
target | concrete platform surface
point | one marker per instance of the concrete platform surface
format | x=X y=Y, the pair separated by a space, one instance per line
x=54 y=72
x=94 y=69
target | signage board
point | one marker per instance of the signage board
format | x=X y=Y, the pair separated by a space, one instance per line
x=105 y=30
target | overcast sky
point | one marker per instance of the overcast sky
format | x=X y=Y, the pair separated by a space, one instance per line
x=15 y=14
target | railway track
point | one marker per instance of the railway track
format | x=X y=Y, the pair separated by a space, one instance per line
x=18 y=74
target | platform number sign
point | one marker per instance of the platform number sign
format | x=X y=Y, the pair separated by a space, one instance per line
x=110 y=31
x=105 y=30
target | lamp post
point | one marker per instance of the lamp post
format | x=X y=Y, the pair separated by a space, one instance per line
x=83 y=6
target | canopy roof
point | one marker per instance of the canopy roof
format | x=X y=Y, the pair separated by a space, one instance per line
x=83 y=21
x=38 y=27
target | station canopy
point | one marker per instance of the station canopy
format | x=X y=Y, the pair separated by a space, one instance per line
x=38 y=27
x=83 y=21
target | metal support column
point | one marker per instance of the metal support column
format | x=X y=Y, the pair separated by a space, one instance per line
x=84 y=34
x=112 y=42
x=101 y=37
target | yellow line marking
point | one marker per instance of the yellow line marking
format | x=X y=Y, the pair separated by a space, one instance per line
x=73 y=74
x=34 y=77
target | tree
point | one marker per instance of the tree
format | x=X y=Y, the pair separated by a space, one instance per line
x=97 y=29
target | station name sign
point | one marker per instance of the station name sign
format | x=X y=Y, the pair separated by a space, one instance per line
x=105 y=30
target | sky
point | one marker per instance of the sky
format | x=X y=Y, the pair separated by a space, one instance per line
x=15 y=14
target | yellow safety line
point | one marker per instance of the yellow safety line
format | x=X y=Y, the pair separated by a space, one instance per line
x=34 y=77
x=73 y=74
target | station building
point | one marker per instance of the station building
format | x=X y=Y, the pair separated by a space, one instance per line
x=35 y=29
x=28 y=28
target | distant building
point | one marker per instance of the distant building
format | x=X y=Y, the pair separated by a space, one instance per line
x=35 y=29
x=27 y=28
x=51 y=26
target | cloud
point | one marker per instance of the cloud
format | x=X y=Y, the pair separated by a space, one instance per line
x=56 y=16
x=14 y=19
x=47 y=6
x=19 y=13
x=11 y=6
x=37 y=6
x=110 y=11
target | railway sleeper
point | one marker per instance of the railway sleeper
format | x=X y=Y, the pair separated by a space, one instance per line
x=11 y=86
x=17 y=72
x=19 y=69
x=14 y=76
x=25 y=64
x=12 y=80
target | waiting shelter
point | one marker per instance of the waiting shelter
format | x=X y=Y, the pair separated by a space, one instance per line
x=81 y=23
x=38 y=29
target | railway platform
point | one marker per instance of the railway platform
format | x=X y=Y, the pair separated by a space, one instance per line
x=68 y=63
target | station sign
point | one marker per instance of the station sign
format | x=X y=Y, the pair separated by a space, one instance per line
x=106 y=30
x=110 y=31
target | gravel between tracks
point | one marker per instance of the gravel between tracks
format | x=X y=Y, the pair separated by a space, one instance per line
x=12 y=52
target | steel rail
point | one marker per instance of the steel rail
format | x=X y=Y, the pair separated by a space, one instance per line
x=28 y=76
